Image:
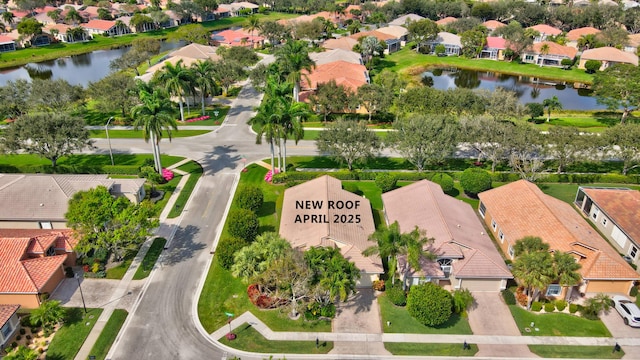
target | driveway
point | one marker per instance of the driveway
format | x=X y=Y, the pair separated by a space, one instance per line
x=616 y=325
x=97 y=293
x=489 y=315
x=360 y=314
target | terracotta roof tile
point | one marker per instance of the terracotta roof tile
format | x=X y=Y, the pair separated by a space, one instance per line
x=575 y=34
x=103 y=25
x=554 y=49
x=6 y=312
x=344 y=43
x=496 y=42
x=546 y=29
x=622 y=206
x=446 y=21
x=375 y=33
x=610 y=54
x=522 y=209
x=5 y=39
x=344 y=73
x=41 y=269
x=493 y=24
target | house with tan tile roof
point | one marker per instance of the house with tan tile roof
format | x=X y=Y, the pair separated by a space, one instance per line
x=465 y=255
x=521 y=209
x=616 y=213
x=398 y=32
x=31 y=264
x=39 y=201
x=574 y=35
x=392 y=41
x=329 y=56
x=236 y=8
x=188 y=54
x=9 y=323
x=608 y=56
x=404 y=20
x=548 y=53
x=633 y=43
x=446 y=21
x=452 y=43
x=344 y=43
x=350 y=75
x=110 y=27
x=320 y=213
x=544 y=31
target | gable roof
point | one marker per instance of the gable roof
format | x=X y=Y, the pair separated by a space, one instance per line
x=610 y=54
x=352 y=238
x=402 y=20
x=447 y=20
x=622 y=206
x=454 y=225
x=375 y=33
x=238 y=37
x=545 y=29
x=447 y=38
x=97 y=24
x=553 y=49
x=496 y=42
x=521 y=209
x=6 y=312
x=344 y=73
x=325 y=57
x=396 y=31
x=575 y=34
x=344 y=43
x=493 y=24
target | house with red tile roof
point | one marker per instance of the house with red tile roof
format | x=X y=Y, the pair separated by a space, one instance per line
x=465 y=255
x=7 y=44
x=544 y=31
x=109 y=27
x=32 y=264
x=9 y=323
x=239 y=37
x=548 y=53
x=491 y=25
x=608 y=56
x=616 y=213
x=494 y=49
x=61 y=33
x=320 y=213
x=345 y=73
x=446 y=21
x=574 y=35
x=521 y=209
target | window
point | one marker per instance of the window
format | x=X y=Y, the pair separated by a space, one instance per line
x=51 y=251
x=511 y=251
x=595 y=213
x=501 y=236
x=482 y=209
x=45 y=225
x=554 y=290
x=633 y=251
x=445 y=266
x=604 y=222
x=494 y=225
x=528 y=58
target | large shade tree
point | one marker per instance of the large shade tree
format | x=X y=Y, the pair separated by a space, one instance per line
x=618 y=87
x=348 y=141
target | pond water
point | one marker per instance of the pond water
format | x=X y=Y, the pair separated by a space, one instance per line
x=76 y=69
x=526 y=88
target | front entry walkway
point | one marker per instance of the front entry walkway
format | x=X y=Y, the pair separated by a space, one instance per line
x=489 y=315
x=360 y=314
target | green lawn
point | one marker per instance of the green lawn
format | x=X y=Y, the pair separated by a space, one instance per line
x=402 y=322
x=69 y=338
x=87 y=160
x=109 y=334
x=248 y=339
x=138 y=134
x=117 y=272
x=411 y=63
x=195 y=171
x=576 y=352
x=557 y=324
x=426 y=349
x=567 y=192
x=168 y=189
x=372 y=192
x=150 y=258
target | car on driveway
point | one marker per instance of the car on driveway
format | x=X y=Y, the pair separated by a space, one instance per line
x=628 y=310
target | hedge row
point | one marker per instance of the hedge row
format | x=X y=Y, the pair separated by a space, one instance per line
x=70 y=169
x=292 y=177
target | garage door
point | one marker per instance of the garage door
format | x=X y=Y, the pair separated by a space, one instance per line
x=481 y=284
x=621 y=287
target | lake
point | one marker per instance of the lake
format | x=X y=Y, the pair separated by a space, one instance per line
x=76 y=69
x=526 y=88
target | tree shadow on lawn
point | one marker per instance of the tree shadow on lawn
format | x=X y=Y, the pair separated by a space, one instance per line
x=183 y=247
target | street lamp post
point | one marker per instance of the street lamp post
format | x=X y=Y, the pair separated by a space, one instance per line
x=81 y=294
x=106 y=129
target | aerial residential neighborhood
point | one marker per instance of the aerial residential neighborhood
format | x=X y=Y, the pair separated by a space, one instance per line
x=286 y=180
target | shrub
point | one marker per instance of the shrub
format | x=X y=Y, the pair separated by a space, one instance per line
x=445 y=181
x=508 y=297
x=250 y=198
x=633 y=291
x=573 y=308
x=429 y=303
x=536 y=306
x=243 y=223
x=549 y=307
x=561 y=305
x=227 y=247
x=462 y=299
x=95 y=267
x=475 y=180
x=22 y=331
x=386 y=182
x=378 y=285
x=18 y=337
x=522 y=298
x=396 y=295
x=591 y=66
x=328 y=310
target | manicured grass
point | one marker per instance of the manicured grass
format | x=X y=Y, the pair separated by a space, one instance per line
x=567 y=192
x=150 y=259
x=409 y=62
x=426 y=349
x=69 y=338
x=138 y=134
x=195 y=171
x=402 y=322
x=109 y=334
x=168 y=189
x=117 y=272
x=88 y=160
x=212 y=121
x=369 y=190
x=576 y=352
x=557 y=324
x=248 y=339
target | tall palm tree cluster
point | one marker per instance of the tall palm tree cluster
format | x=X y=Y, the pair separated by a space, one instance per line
x=280 y=115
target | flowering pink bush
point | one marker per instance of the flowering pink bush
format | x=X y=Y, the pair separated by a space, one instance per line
x=269 y=175
x=167 y=174
x=201 y=118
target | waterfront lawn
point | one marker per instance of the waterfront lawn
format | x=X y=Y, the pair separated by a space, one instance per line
x=557 y=324
x=138 y=134
x=109 y=333
x=150 y=258
x=195 y=171
x=428 y=349
x=576 y=352
x=402 y=322
x=69 y=338
x=409 y=62
x=249 y=339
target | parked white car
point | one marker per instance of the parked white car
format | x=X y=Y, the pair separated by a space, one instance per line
x=628 y=310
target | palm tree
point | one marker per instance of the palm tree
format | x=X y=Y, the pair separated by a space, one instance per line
x=266 y=122
x=176 y=79
x=48 y=314
x=3 y=27
x=203 y=76
x=73 y=16
x=291 y=114
x=544 y=50
x=154 y=115
x=370 y=47
x=121 y=27
x=388 y=240
x=8 y=18
x=551 y=104
x=534 y=267
x=566 y=270
x=292 y=58
x=339 y=279
x=252 y=24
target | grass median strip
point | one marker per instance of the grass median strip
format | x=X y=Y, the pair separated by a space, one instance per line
x=138 y=134
x=195 y=171
x=427 y=349
x=576 y=352
x=249 y=339
x=109 y=334
x=69 y=338
x=150 y=258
